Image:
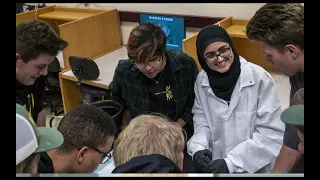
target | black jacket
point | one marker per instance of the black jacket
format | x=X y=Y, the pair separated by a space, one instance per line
x=154 y=163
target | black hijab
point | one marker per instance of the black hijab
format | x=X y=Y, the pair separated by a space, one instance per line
x=222 y=84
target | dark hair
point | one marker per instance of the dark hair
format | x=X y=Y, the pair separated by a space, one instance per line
x=86 y=125
x=278 y=24
x=34 y=37
x=145 y=41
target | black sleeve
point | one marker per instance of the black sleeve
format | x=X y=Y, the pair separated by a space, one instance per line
x=187 y=115
x=115 y=87
x=291 y=138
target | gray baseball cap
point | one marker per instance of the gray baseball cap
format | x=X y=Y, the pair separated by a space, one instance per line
x=30 y=138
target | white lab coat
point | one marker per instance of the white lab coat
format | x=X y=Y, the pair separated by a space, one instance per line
x=248 y=134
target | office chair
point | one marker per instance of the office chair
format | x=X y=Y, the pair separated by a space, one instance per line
x=114 y=109
x=87 y=69
x=52 y=96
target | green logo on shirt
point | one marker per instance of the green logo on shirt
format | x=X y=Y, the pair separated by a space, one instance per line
x=168 y=93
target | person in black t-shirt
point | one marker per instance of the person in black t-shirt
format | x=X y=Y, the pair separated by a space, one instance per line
x=279 y=29
x=36 y=46
x=155 y=79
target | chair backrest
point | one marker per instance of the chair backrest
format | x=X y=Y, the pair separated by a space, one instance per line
x=53 y=73
x=84 y=68
x=113 y=108
x=54 y=66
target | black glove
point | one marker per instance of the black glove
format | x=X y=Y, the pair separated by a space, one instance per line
x=216 y=166
x=201 y=159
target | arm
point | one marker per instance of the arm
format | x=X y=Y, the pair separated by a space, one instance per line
x=201 y=136
x=264 y=146
x=116 y=88
x=286 y=160
x=41 y=120
x=289 y=154
x=186 y=116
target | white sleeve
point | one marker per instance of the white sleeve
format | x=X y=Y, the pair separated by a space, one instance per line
x=265 y=144
x=201 y=136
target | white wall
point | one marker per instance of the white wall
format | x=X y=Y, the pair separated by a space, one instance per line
x=237 y=10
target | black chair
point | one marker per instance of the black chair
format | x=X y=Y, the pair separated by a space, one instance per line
x=114 y=109
x=52 y=96
x=87 y=69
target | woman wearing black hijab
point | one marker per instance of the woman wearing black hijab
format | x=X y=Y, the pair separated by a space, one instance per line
x=237 y=126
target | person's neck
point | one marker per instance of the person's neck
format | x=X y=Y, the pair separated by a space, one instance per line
x=61 y=162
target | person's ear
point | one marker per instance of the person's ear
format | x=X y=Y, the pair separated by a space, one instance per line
x=17 y=56
x=292 y=50
x=81 y=155
x=181 y=161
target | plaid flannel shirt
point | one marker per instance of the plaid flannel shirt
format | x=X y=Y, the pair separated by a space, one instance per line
x=127 y=87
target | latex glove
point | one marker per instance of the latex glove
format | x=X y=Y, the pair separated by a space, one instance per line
x=201 y=159
x=217 y=166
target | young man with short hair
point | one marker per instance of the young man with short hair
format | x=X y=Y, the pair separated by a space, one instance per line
x=279 y=29
x=36 y=45
x=88 y=133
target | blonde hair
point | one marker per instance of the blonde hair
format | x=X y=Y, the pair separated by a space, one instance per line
x=149 y=134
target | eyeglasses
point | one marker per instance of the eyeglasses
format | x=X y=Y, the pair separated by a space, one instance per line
x=212 y=57
x=152 y=63
x=105 y=156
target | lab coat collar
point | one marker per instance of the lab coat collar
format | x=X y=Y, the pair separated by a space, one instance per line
x=246 y=77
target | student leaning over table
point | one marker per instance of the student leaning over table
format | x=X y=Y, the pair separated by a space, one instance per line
x=155 y=79
x=36 y=45
x=279 y=29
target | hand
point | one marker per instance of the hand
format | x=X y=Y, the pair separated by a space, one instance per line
x=217 y=166
x=181 y=122
x=201 y=159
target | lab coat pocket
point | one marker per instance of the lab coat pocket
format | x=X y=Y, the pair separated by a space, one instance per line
x=244 y=121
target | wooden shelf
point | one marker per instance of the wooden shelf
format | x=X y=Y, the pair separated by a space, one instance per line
x=236 y=31
x=62 y=15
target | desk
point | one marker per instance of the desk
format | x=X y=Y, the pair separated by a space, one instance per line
x=250 y=50
x=106 y=64
x=67 y=16
x=89 y=32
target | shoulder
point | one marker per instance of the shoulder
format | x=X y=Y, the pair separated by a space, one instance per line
x=202 y=76
x=124 y=65
x=258 y=72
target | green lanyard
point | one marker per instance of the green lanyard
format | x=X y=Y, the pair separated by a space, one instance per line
x=29 y=103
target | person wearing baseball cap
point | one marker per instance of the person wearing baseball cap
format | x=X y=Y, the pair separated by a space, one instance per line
x=294 y=115
x=30 y=140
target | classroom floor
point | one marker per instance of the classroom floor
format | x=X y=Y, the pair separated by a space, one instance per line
x=283 y=89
